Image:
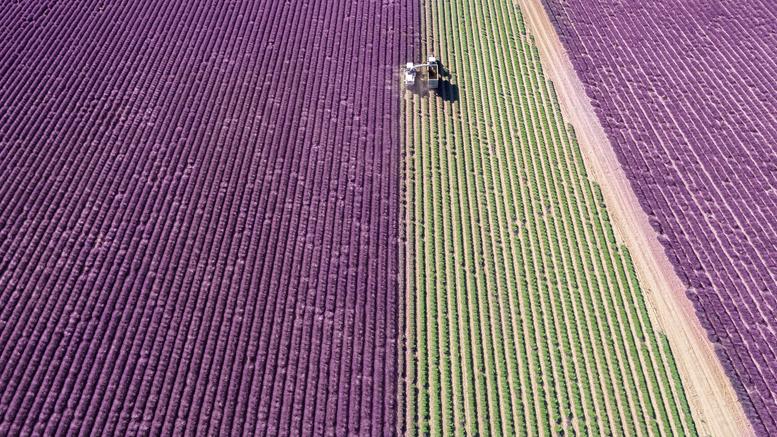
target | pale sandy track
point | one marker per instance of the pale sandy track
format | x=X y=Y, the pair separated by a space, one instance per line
x=713 y=401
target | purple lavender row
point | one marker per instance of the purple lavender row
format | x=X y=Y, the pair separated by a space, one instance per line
x=686 y=93
x=199 y=216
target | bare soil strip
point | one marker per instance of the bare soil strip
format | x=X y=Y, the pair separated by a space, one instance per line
x=713 y=401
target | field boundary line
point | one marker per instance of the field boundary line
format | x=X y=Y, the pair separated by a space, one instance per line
x=714 y=404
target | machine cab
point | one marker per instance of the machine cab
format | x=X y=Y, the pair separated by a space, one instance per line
x=410 y=73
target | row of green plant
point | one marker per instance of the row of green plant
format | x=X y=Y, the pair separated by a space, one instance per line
x=524 y=316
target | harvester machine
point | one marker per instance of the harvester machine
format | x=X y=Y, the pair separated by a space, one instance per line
x=428 y=73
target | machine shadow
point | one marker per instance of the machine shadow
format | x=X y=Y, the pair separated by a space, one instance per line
x=448 y=92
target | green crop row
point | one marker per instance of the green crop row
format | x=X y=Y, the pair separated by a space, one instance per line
x=523 y=314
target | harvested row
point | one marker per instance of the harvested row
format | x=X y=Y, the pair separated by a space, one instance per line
x=686 y=93
x=523 y=313
x=199 y=210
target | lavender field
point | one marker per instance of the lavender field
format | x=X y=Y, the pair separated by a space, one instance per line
x=199 y=216
x=686 y=92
